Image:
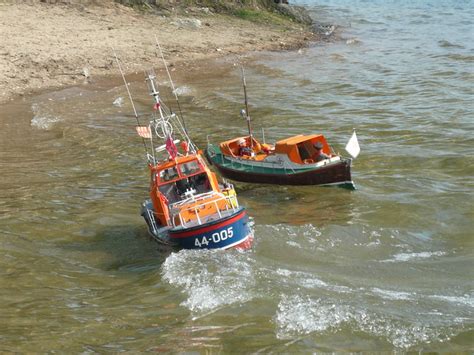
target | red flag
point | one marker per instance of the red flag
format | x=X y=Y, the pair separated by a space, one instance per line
x=171 y=147
x=156 y=106
x=143 y=131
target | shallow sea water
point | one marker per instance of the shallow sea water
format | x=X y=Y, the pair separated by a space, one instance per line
x=385 y=267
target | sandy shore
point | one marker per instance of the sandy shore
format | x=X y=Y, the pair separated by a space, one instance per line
x=44 y=45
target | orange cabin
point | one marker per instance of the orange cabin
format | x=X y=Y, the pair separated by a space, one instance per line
x=170 y=180
x=300 y=148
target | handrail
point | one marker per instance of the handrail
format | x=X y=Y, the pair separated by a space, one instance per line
x=152 y=221
x=176 y=211
x=195 y=198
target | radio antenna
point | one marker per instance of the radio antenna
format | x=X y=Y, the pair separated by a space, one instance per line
x=172 y=84
x=130 y=97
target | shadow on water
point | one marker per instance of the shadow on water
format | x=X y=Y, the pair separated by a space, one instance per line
x=124 y=249
x=298 y=205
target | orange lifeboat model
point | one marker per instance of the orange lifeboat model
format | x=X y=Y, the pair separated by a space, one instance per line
x=188 y=208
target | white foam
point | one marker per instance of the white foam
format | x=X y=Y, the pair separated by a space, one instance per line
x=467 y=300
x=118 y=101
x=297 y=316
x=353 y=41
x=293 y=244
x=393 y=295
x=44 y=122
x=414 y=256
x=182 y=90
x=73 y=305
x=210 y=279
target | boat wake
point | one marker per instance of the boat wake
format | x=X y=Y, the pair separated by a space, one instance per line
x=317 y=302
x=298 y=315
x=210 y=279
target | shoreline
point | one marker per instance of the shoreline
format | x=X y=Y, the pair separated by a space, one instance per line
x=52 y=46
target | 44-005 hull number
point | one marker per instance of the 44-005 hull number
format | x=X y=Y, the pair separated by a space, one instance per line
x=214 y=238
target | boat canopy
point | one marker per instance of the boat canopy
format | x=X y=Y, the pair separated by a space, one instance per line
x=300 y=148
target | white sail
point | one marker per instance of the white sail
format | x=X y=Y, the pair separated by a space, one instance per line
x=352 y=147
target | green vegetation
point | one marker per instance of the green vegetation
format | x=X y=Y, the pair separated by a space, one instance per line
x=261 y=16
x=265 y=11
x=250 y=15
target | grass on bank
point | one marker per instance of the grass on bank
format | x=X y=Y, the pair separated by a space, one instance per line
x=261 y=11
x=261 y=16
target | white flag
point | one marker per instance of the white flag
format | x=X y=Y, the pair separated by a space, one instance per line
x=352 y=147
x=143 y=131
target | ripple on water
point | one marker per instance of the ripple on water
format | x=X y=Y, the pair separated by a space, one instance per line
x=448 y=44
x=456 y=57
x=308 y=280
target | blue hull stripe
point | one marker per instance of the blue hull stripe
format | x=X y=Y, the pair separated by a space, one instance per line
x=221 y=235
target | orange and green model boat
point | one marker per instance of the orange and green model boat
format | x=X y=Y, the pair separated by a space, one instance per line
x=287 y=162
x=297 y=160
x=187 y=208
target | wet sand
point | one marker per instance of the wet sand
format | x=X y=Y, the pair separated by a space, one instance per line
x=46 y=46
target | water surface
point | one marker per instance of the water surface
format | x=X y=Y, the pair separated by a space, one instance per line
x=386 y=267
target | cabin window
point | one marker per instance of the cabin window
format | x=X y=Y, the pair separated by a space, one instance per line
x=170 y=192
x=169 y=174
x=190 y=168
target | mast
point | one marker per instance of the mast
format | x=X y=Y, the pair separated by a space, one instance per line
x=150 y=77
x=167 y=121
x=247 y=116
x=180 y=119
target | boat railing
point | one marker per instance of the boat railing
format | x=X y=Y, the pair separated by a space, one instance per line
x=199 y=204
x=328 y=161
x=153 y=225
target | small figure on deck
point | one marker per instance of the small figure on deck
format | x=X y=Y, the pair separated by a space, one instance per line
x=244 y=150
x=319 y=155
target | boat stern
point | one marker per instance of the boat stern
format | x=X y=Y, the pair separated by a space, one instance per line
x=233 y=231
